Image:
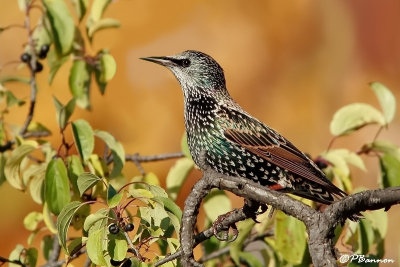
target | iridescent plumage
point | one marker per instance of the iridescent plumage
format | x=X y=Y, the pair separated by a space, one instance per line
x=236 y=143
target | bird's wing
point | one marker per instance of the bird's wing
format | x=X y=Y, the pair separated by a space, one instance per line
x=275 y=149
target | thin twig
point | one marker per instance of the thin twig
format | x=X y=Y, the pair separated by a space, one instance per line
x=138 y=158
x=32 y=68
x=226 y=249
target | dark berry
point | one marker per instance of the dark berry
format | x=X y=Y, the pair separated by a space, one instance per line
x=43 y=51
x=129 y=227
x=113 y=228
x=115 y=263
x=39 y=67
x=25 y=57
x=127 y=263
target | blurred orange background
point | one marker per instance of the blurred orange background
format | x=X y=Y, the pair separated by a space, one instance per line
x=291 y=64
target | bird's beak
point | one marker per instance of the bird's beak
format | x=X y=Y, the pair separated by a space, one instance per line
x=164 y=61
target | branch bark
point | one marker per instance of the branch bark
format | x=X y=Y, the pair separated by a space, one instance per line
x=320 y=225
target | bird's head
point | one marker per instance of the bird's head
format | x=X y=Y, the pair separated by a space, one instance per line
x=194 y=70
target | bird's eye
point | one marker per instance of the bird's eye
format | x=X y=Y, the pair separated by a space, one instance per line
x=185 y=63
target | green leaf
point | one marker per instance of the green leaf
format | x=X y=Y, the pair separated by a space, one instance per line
x=177 y=175
x=34 y=176
x=216 y=203
x=354 y=116
x=244 y=229
x=37 y=127
x=105 y=23
x=95 y=245
x=48 y=219
x=386 y=99
x=92 y=219
x=97 y=165
x=15 y=255
x=63 y=113
x=117 y=151
x=290 y=238
x=41 y=34
x=84 y=138
x=75 y=245
x=366 y=237
x=31 y=256
x=32 y=220
x=390 y=170
x=379 y=221
x=79 y=82
x=151 y=179
x=11 y=100
x=62 y=25
x=47 y=246
x=64 y=220
x=117 y=246
x=56 y=189
x=86 y=181
x=384 y=147
x=12 y=167
x=113 y=197
x=55 y=61
x=75 y=169
x=96 y=12
x=170 y=205
x=251 y=259
x=7 y=79
x=80 y=7
x=108 y=67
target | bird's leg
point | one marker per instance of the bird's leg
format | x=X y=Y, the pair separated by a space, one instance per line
x=252 y=209
x=218 y=228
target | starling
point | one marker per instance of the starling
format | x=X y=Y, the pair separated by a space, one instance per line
x=236 y=143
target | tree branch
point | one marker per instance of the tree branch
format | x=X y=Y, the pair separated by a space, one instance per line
x=320 y=225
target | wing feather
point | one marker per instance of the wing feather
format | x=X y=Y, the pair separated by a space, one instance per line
x=279 y=152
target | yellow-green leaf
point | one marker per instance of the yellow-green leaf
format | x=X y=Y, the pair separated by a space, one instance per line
x=103 y=24
x=32 y=220
x=177 y=175
x=80 y=7
x=290 y=236
x=84 y=138
x=354 y=116
x=62 y=25
x=95 y=246
x=117 y=246
x=12 y=167
x=390 y=171
x=117 y=151
x=79 y=83
x=386 y=99
x=86 y=181
x=215 y=204
x=108 y=67
x=64 y=220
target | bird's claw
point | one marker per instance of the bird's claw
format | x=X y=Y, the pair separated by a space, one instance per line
x=222 y=233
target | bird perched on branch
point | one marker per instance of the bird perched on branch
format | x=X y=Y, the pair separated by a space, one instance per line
x=236 y=143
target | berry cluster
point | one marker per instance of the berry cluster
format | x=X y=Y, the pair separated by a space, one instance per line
x=114 y=229
x=36 y=66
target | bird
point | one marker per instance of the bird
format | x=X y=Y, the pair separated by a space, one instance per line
x=236 y=143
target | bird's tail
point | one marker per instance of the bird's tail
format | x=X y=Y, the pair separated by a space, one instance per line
x=324 y=195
